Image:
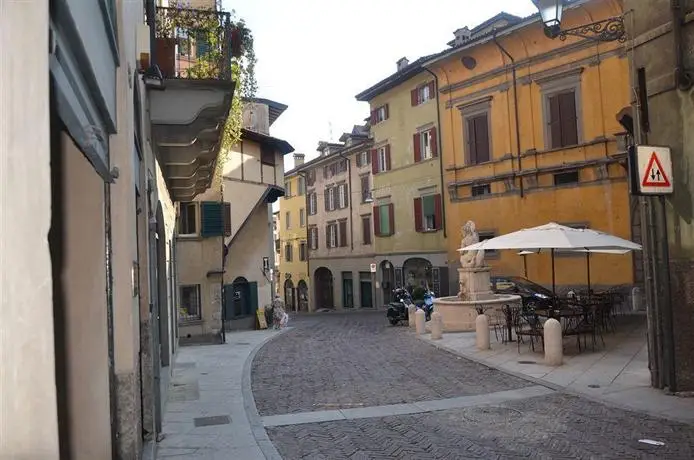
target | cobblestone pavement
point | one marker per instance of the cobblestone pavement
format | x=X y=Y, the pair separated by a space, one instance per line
x=346 y=360
x=354 y=360
x=554 y=427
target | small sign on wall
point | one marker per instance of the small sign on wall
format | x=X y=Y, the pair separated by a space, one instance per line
x=373 y=268
x=262 y=323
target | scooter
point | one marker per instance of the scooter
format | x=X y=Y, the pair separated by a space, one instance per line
x=397 y=310
x=428 y=303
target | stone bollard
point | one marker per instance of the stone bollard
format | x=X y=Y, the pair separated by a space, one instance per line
x=635 y=299
x=420 y=321
x=554 y=351
x=410 y=315
x=436 y=326
x=482 y=332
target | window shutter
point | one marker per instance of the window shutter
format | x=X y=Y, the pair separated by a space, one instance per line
x=388 y=157
x=417 y=142
x=482 y=138
x=212 y=219
x=391 y=217
x=327 y=236
x=326 y=197
x=567 y=114
x=345 y=190
x=377 y=221
x=472 y=144
x=358 y=160
x=387 y=111
x=227 y=219
x=554 y=122
x=374 y=161
x=432 y=88
x=418 y=215
x=374 y=119
x=413 y=97
x=433 y=142
x=438 y=212
x=343 y=233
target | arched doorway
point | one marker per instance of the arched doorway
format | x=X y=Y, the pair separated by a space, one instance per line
x=417 y=272
x=289 y=300
x=387 y=281
x=240 y=295
x=302 y=289
x=323 y=280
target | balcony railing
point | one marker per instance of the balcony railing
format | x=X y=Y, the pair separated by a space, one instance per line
x=195 y=44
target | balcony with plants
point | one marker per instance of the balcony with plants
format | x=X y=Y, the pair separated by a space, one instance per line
x=203 y=64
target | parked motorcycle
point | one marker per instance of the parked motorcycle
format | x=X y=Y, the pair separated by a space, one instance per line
x=397 y=310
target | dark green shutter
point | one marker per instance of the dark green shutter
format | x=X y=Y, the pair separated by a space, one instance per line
x=252 y=297
x=212 y=219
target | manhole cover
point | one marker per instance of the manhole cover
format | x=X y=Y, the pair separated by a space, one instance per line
x=527 y=362
x=492 y=414
x=212 y=420
x=593 y=386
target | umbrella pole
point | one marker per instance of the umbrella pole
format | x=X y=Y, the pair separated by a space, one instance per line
x=588 y=270
x=525 y=265
x=554 y=284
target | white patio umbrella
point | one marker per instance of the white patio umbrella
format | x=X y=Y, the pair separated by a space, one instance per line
x=553 y=236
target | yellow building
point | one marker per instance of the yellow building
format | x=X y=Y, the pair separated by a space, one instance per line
x=293 y=278
x=529 y=136
x=408 y=209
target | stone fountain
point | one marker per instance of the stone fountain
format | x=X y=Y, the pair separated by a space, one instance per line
x=459 y=312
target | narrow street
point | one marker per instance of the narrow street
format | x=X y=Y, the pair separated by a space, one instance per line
x=347 y=386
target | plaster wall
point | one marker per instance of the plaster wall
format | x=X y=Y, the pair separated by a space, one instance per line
x=84 y=285
x=28 y=419
x=600 y=199
x=294 y=235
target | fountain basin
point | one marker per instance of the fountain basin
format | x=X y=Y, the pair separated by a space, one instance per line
x=459 y=315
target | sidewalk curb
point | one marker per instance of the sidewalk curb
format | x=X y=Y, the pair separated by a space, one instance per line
x=257 y=428
x=556 y=387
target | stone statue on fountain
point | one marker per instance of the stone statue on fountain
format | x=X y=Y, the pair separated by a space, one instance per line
x=470 y=259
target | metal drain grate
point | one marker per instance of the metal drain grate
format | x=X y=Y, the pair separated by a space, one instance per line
x=212 y=420
x=241 y=343
x=527 y=362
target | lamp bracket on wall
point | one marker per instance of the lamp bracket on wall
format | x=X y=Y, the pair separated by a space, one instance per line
x=607 y=30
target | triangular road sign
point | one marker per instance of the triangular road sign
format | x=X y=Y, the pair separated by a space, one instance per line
x=654 y=174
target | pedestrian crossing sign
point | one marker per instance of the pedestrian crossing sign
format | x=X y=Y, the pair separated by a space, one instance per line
x=654 y=170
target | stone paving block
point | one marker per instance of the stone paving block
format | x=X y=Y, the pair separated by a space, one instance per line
x=351 y=359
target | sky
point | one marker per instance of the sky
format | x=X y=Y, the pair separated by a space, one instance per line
x=315 y=56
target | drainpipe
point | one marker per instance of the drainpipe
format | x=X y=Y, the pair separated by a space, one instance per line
x=440 y=146
x=349 y=198
x=304 y=174
x=222 y=296
x=515 y=108
x=109 y=317
x=684 y=79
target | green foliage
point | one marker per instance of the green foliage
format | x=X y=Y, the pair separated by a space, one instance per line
x=418 y=293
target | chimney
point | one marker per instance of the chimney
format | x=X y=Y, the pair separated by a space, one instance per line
x=462 y=35
x=402 y=63
x=298 y=159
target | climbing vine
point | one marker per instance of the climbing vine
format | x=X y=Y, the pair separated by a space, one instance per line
x=223 y=49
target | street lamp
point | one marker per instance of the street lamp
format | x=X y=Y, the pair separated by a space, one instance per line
x=607 y=30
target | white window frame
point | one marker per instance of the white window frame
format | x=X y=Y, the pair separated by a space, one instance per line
x=195 y=205
x=312 y=204
x=331 y=199
x=342 y=196
x=425 y=145
x=313 y=238
x=382 y=160
x=423 y=94
x=364 y=158
x=381 y=114
x=332 y=235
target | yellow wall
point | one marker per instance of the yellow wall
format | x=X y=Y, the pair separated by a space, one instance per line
x=294 y=235
x=601 y=197
x=402 y=184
